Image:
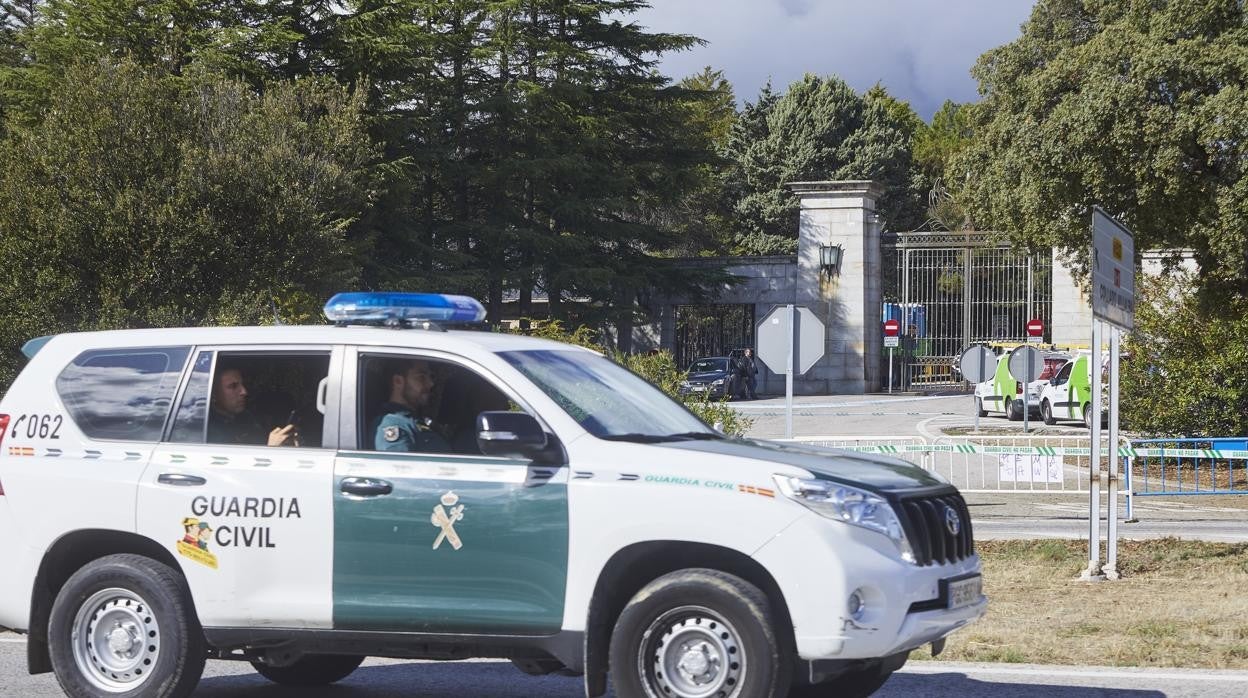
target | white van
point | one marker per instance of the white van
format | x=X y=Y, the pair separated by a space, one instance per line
x=547 y=506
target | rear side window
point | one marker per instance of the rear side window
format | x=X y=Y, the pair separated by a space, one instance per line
x=122 y=394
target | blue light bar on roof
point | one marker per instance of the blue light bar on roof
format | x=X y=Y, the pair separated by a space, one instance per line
x=396 y=308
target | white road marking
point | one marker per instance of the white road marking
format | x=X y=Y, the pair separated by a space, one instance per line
x=1194 y=675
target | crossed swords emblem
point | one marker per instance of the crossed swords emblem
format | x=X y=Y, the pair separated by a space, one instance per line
x=446 y=521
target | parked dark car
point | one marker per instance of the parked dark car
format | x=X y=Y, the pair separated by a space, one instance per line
x=710 y=375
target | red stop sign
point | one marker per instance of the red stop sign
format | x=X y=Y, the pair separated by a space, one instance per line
x=892 y=328
x=1035 y=327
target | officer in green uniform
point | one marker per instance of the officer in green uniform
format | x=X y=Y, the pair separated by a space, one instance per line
x=400 y=427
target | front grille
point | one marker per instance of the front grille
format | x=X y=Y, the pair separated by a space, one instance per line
x=924 y=520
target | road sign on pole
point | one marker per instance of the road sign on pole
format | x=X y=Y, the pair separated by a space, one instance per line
x=790 y=340
x=1035 y=331
x=892 y=328
x=1025 y=366
x=977 y=364
x=1113 y=271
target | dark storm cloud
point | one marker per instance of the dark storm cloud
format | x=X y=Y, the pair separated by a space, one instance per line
x=921 y=50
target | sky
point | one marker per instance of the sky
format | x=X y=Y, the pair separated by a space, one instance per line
x=922 y=51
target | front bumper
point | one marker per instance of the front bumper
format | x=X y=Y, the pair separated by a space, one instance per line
x=817 y=563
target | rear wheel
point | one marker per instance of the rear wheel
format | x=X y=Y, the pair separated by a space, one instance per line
x=311 y=670
x=699 y=633
x=1046 y=411
x=124 y=625
x=979 y=407
x=1013 y=410
x=1087 y=416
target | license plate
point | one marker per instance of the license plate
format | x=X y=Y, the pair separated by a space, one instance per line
x=698 y=388
x=964 y=592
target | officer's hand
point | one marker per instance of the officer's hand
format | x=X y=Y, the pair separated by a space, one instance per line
x=281 y=436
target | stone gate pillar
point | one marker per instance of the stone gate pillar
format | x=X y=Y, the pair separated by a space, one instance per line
x=849 y=300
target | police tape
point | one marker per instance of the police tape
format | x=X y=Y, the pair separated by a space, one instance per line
x=972 y=448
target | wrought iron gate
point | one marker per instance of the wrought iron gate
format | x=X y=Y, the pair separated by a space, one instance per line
x=951 y=290
x=712 y=330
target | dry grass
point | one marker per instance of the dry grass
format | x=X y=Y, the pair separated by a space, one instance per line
x=1179 y=604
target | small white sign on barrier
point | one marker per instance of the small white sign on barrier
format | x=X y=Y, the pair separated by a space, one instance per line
x=1034 y=469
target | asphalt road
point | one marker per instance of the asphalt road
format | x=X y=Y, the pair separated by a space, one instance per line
x=496 y=679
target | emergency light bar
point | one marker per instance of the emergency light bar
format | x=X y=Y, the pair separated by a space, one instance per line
x=397 y=309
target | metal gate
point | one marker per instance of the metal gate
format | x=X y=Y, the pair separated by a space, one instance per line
x=712 y=330
x=951 y=290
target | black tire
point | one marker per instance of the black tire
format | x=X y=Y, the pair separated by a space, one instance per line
x=854 y=684
x=1087 y=416
x=730 y=620
x=311 y=670
x=1012 y=414
x=148 y=605
x=979 y=407
x=1046 y=412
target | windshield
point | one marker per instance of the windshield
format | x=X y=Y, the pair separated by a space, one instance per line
x=704 y=365
x=606 y=399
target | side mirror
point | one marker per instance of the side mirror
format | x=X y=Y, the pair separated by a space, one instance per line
x=1053 y=380
x=510 y=435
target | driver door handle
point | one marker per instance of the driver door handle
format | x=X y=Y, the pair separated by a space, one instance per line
x=365 y=486
x=180 y=480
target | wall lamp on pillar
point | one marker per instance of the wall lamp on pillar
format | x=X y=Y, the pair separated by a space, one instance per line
x=830 y=259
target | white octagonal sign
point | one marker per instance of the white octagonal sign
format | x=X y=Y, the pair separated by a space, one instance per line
x=773 y=340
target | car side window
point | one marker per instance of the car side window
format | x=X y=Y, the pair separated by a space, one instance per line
x=253 y=398
x=409 y=404
x=122 y=394
x=1064 y=374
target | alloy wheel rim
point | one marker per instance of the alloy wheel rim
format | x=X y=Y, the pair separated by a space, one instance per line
x=116 y=640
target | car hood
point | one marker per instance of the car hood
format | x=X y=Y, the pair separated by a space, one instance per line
x=847 y=467
x=707 y=375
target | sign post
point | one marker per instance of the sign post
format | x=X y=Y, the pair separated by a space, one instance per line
x=790 y=339
x=1113 y=309
x=1025 y=366
x=892 y=328
x=977 y=365
x=1035 y=331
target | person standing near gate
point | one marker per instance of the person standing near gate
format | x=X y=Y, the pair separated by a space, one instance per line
x=747 y=374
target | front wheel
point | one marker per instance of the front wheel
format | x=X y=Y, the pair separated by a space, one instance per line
x=1087 y=416
x=699 y=633
x=311 y=670
x=124 y=625
x=979 y=407
x=1046 y=411
x=1014 y=410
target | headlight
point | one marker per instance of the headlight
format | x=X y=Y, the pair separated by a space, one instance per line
x=848 y=505
x=684 y=384
x=718 y=382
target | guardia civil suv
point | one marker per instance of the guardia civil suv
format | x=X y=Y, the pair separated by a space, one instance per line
x=301 y=498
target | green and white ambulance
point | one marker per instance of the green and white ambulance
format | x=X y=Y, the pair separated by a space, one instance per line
x=572 y=517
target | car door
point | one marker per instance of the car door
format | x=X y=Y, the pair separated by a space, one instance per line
x=249 y=523
x=1063 y=406
x=442 y=542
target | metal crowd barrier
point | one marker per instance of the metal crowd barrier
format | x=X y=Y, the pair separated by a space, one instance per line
x=994 y=464
x=1186 y=467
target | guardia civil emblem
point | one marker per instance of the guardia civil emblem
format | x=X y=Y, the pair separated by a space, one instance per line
x=390 y=433
x=444 y=516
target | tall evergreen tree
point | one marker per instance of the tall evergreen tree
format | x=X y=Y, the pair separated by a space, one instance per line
x=820 y=129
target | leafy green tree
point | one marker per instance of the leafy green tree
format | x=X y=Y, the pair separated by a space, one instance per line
x=820 y=129
x=1187 y=370
x=1140 y=107
x=935 y=146
x=143 y=199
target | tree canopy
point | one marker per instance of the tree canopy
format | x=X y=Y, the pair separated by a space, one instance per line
x=1140 y=107
x=819 y=129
